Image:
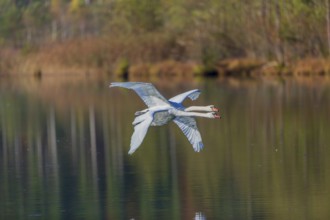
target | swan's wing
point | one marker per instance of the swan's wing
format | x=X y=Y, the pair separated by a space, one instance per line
x=189 y=128
x=192 y=94
x=147 y=92
x=140 y=131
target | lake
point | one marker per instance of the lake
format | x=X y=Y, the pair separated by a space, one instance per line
x=64 y=152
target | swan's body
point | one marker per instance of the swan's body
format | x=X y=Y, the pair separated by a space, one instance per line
x=161 y=111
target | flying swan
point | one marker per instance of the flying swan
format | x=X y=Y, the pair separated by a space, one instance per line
x=160 y=111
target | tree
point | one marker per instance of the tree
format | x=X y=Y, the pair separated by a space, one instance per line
x=10 y=21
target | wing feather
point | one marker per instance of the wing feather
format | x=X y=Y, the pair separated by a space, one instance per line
x=189 y=128
x=140 y=131
x=192 y=94
x=147 y=92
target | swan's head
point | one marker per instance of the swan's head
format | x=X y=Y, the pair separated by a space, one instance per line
x=212 y=108
x=213 y=115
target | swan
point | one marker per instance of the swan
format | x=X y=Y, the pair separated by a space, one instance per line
x=161 y=111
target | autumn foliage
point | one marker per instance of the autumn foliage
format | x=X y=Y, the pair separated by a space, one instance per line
x=77 y=34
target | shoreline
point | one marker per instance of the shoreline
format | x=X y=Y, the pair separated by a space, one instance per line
x=242 y=67
x=57 y=63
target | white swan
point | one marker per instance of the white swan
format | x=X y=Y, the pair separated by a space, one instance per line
x=160 y=111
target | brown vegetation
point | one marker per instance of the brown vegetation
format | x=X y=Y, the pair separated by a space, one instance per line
x=157 y=38
x=160 y=38
x=8 y=60
x=52 y=63
x=233 y=67
x=311 y=66
x=142 y=57
x=110 y=54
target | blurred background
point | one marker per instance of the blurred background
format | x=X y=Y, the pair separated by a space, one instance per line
x=213 y=36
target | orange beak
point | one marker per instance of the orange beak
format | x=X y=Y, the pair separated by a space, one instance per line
x=217 y=116
x=215 y=109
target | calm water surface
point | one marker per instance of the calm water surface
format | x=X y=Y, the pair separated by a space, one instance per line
x=64 y=144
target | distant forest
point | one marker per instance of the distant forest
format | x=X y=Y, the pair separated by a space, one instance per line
x=185 y=29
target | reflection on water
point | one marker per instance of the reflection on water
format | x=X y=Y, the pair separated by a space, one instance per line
x=63 y=153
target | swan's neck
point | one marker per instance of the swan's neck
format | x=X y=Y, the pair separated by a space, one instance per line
x=198 y=108
x=198 y=114
x=191 y=114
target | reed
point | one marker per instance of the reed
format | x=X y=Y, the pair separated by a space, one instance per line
x=142 y=55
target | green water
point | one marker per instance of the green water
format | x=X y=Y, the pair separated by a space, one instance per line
x=64 y=144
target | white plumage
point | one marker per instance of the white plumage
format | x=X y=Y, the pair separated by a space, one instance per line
x=160 y=111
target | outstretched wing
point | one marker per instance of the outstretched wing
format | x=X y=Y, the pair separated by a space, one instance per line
x=192 y=94
x=189 y=128
x=140 y=131
x=147 y=92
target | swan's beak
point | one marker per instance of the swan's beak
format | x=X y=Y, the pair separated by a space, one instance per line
x=217 y=116
x=214 y=109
